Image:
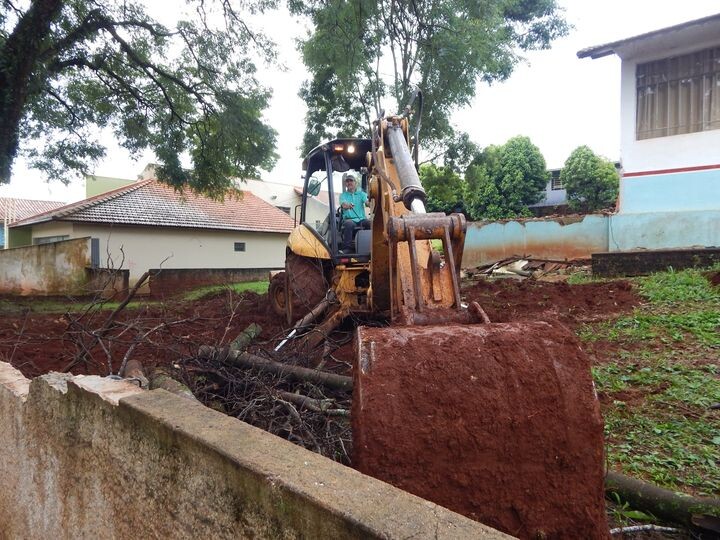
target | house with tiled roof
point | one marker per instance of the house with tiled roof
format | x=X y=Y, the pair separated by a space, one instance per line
x=148 y=225
x=12 y=210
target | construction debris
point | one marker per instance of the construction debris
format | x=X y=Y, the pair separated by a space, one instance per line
x=527 y=267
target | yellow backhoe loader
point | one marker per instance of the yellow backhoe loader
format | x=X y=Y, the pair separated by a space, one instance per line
x=497 y=421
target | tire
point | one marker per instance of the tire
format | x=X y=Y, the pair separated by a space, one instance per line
x=306 y=284
x=276 y=295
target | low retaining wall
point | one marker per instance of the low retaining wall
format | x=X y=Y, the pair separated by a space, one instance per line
x=566 y=237
x=109 y=284
x=639 y=263
x=95 y=457
x=168 y=282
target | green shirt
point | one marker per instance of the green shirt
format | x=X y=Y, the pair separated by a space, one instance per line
x=358 y=199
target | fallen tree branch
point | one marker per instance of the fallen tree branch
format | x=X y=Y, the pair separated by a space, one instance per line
x=315 y=405
x=247 y=360
x=660 y=502
x=641 y=528
x=100 y=333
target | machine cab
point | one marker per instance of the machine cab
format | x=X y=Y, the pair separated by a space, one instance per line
x=320 y=211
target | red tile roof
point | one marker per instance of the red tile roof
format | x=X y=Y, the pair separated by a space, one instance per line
x=151 y=203
x=16 y=209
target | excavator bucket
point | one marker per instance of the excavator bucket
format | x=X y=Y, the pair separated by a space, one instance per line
x=499 y=422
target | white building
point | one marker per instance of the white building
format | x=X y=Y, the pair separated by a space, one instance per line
x=670 y=140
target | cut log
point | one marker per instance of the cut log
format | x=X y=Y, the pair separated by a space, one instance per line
x=246 y=337
x=660 y=502
x=161 y=379
x=251 y=361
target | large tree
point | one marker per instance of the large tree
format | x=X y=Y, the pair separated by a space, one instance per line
x=368 y=54
x=71 y=67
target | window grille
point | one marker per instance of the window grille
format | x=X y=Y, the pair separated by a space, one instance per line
x=678 y=95
x=239 y=246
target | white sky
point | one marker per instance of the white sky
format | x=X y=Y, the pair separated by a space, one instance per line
x=556 y=99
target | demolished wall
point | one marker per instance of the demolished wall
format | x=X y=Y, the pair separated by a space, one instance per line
x=86 y=456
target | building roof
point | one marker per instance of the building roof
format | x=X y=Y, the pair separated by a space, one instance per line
x=698 y=30
x=151 y=203
x=17 y=209
x=323 y=196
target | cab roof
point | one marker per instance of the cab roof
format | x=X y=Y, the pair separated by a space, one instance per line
x=356 y=158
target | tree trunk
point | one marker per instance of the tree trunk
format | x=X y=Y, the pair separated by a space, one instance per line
x=19 y=74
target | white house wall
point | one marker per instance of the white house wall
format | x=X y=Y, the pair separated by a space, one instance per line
x=153 y=247
x=53 y=228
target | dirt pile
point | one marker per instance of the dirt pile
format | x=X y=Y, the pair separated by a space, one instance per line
x=508 y=300
x=498 y=422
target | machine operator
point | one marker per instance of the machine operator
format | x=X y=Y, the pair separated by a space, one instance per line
x=352 y=202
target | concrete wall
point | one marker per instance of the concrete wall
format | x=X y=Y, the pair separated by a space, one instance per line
x=87 y=457
x=566 y=237
x=49 y=269
x=664 y=230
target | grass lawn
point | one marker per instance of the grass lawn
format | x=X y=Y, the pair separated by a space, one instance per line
x=658 y=374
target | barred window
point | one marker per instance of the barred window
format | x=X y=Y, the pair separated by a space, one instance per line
x=678 y=95
x=555 y=181
x=239 y=246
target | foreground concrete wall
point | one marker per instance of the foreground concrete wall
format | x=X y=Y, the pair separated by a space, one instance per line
x=93 y=457
x=48 y=269
x=566 y=237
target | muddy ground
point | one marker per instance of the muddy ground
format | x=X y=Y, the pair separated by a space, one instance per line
x=37 y=342
x=170 y=333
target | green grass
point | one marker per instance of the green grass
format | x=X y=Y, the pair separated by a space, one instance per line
x=259 y=287
x=670 y=437
x=673 y=287
x=61 y=306
x=661 y=382
x=702 y=325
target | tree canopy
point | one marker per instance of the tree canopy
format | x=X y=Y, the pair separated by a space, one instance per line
x=592 y=182
x=369 y=54
x=444 y=188
x=71 y=67
x=505 y=179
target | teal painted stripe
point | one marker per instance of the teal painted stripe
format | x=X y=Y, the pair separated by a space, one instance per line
x=675 y=192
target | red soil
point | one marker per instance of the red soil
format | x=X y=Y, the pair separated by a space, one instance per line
x=498 y=422
x=37 y=343
x=510 y=300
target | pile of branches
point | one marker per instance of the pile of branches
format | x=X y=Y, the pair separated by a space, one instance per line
x=292 y=402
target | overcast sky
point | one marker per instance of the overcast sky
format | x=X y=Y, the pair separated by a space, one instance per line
x=556 y=99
